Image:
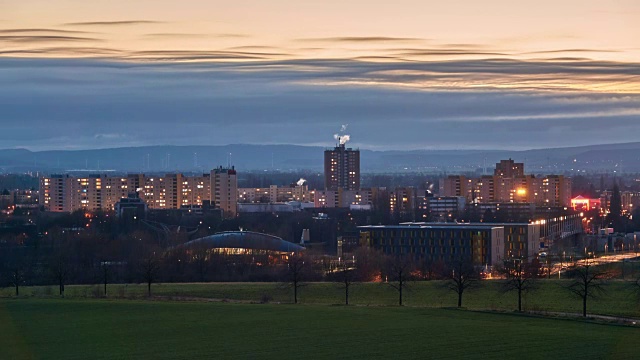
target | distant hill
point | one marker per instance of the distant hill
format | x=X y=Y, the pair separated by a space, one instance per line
x=609 y=157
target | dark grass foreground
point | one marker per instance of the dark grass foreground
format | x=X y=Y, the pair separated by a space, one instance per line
x=119 y=329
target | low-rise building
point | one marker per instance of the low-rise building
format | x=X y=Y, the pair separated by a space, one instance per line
x=483 y=245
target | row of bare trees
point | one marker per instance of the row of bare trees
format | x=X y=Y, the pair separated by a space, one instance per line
x=586 y=280
x=63 y=263
x=397 y=272
x=400 y=273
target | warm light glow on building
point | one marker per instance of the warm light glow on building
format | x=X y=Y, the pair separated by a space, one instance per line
x=582 y=203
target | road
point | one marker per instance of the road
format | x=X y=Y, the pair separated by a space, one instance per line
x=600 y=260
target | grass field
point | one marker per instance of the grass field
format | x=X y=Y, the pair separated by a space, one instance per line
x=121 y=329
x=618 y=299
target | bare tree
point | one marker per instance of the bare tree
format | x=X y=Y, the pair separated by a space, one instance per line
x=346 y=277
x=15 y=267
x=17 y=276
x=105 y=271
x=149 y=268
x=586 y=283
x=60 y=269
x=635 y=286
x=295 y=273
x=461 y=275
x=520 y=277
x=399 y=270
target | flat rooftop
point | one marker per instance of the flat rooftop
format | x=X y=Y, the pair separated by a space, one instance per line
x=429 y=226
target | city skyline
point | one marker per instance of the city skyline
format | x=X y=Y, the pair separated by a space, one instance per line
x=408 y=75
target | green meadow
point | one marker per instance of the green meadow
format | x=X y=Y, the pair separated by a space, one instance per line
x=618 y=298
x=34 y=328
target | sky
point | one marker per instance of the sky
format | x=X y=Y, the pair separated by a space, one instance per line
x=406 y=74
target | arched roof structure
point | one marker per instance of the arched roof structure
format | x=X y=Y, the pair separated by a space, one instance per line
x=245 y=240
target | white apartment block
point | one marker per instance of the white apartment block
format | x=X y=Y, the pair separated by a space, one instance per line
x=68 y=193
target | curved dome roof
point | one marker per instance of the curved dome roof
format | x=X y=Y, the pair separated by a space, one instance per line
x=245 y=240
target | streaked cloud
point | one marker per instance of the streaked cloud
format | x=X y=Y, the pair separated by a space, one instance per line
x=388 y=105
x=254 y=47
x=572 y=51
x=44 y=38
x=183 y=35
x=362 y=39
x=192 y=55
x=408 y=74
x=65 y=51
x=46 y=31
x=113 y=23
x=451 y=52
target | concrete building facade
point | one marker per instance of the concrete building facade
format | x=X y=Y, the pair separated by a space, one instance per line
x=342 y=168
x=224 y=185
x=483 y=245
x=510 y=184
x=68 y=193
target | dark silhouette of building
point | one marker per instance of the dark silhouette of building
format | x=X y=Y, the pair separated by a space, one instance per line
x=131 y=207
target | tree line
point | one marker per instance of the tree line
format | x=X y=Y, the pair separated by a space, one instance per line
x=137 y=259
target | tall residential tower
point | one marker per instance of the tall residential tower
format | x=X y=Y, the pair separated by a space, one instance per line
x=342 y=168
x=224 y=188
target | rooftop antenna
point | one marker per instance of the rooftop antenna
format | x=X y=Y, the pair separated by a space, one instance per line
x=229 y=161
x=195 y=159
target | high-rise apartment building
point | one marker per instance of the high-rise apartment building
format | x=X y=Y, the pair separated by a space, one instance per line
x=275 y=194
x=68 y=193
x=196 y=189
x=509 y=169
x=342 y=168
x=55 y=193
x=510 y=185
x=402 y=200
x=224 y=186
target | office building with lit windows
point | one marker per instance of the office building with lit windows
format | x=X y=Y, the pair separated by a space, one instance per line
x=484 y=244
